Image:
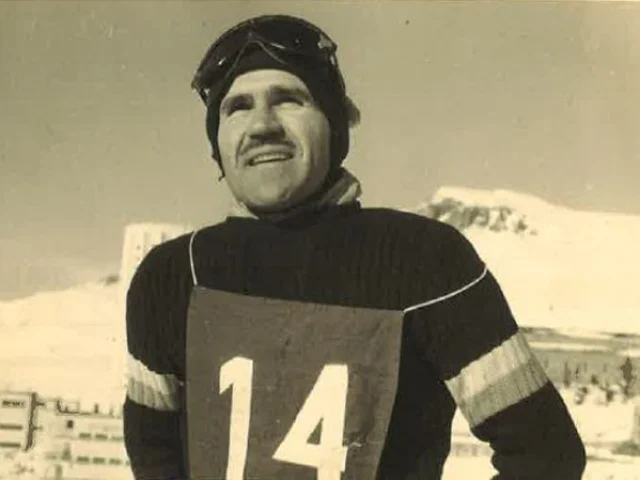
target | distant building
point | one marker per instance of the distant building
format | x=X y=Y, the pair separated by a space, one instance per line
x=66 y=441
x=139 y=238
x=83 y=445
x=17 y=415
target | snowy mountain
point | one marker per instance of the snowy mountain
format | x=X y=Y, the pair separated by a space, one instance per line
x=67 y=343
x=559 y=268
x=72 y=343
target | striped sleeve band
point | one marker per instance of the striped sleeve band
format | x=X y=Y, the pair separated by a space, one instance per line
x=499 y=379
x=151 y=389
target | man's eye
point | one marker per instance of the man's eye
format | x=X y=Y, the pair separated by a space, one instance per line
x=290 y=99
x=236 y=106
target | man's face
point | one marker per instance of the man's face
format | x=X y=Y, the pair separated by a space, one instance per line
x=273 y=139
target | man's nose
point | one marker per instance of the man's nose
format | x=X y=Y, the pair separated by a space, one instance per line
x=264 y=122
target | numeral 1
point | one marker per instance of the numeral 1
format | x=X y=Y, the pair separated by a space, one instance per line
x=238 y=374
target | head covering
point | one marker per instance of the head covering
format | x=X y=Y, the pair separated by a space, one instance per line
x=319 y=77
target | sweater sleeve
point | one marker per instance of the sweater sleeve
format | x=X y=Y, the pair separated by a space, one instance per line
x=470 y=336
x=153 y=403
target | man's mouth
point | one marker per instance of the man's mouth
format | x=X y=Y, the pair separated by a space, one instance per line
x=269 y=158
x=270 y=155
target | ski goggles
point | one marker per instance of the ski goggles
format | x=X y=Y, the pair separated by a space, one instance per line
x=283 y=37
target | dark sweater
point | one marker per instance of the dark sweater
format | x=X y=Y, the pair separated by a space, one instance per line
x=460 y=343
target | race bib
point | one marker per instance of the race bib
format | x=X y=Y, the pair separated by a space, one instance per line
x=288 y=390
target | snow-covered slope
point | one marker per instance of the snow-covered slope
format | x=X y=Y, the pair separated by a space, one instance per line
x=72 y=343
x=559 y=267
x=67 y=343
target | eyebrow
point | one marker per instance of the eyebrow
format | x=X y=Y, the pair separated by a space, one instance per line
x=295 y=91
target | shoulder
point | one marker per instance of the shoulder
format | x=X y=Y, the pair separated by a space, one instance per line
x=164 y=269
x=165 y=257
x=408 y=221
x=173 y=256
x=169 y=262
x=422 y=236
x=434 y=257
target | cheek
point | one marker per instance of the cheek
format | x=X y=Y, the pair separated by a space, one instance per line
x=316 y=135
x=229 y=134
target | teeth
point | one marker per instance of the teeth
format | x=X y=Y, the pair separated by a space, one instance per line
x=269 y=157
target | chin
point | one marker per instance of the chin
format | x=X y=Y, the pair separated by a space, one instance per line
x=279 y=198
x=272 y=207
x=275 y=201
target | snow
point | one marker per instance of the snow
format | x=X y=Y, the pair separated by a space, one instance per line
x=496 y=198
x=577 y=347
x=457 y=468
x=579 y=333
x=600 y=427
x=630 y=352
x=579 y=271
x=68 y=343
x=71 y=343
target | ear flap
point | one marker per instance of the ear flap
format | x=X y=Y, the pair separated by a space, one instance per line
x=353 y=113
x=219 y=163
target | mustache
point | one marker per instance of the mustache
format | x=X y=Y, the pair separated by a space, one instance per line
x=253 y=144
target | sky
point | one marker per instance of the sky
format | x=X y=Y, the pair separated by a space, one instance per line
x=99 y=127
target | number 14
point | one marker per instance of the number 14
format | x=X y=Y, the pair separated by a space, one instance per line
x=325 y=403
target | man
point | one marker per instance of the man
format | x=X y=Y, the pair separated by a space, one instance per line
x=306 y=337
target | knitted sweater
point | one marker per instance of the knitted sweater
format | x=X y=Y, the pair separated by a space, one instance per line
x=460 y=345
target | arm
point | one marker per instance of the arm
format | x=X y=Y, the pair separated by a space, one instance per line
x=152 y=407
x=474 y=343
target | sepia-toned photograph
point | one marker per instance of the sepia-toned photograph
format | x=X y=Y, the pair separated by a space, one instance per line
x=319 y=240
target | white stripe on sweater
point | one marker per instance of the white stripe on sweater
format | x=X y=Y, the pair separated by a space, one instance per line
x=502 y=377
x=450 y=294
x=151 y=389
